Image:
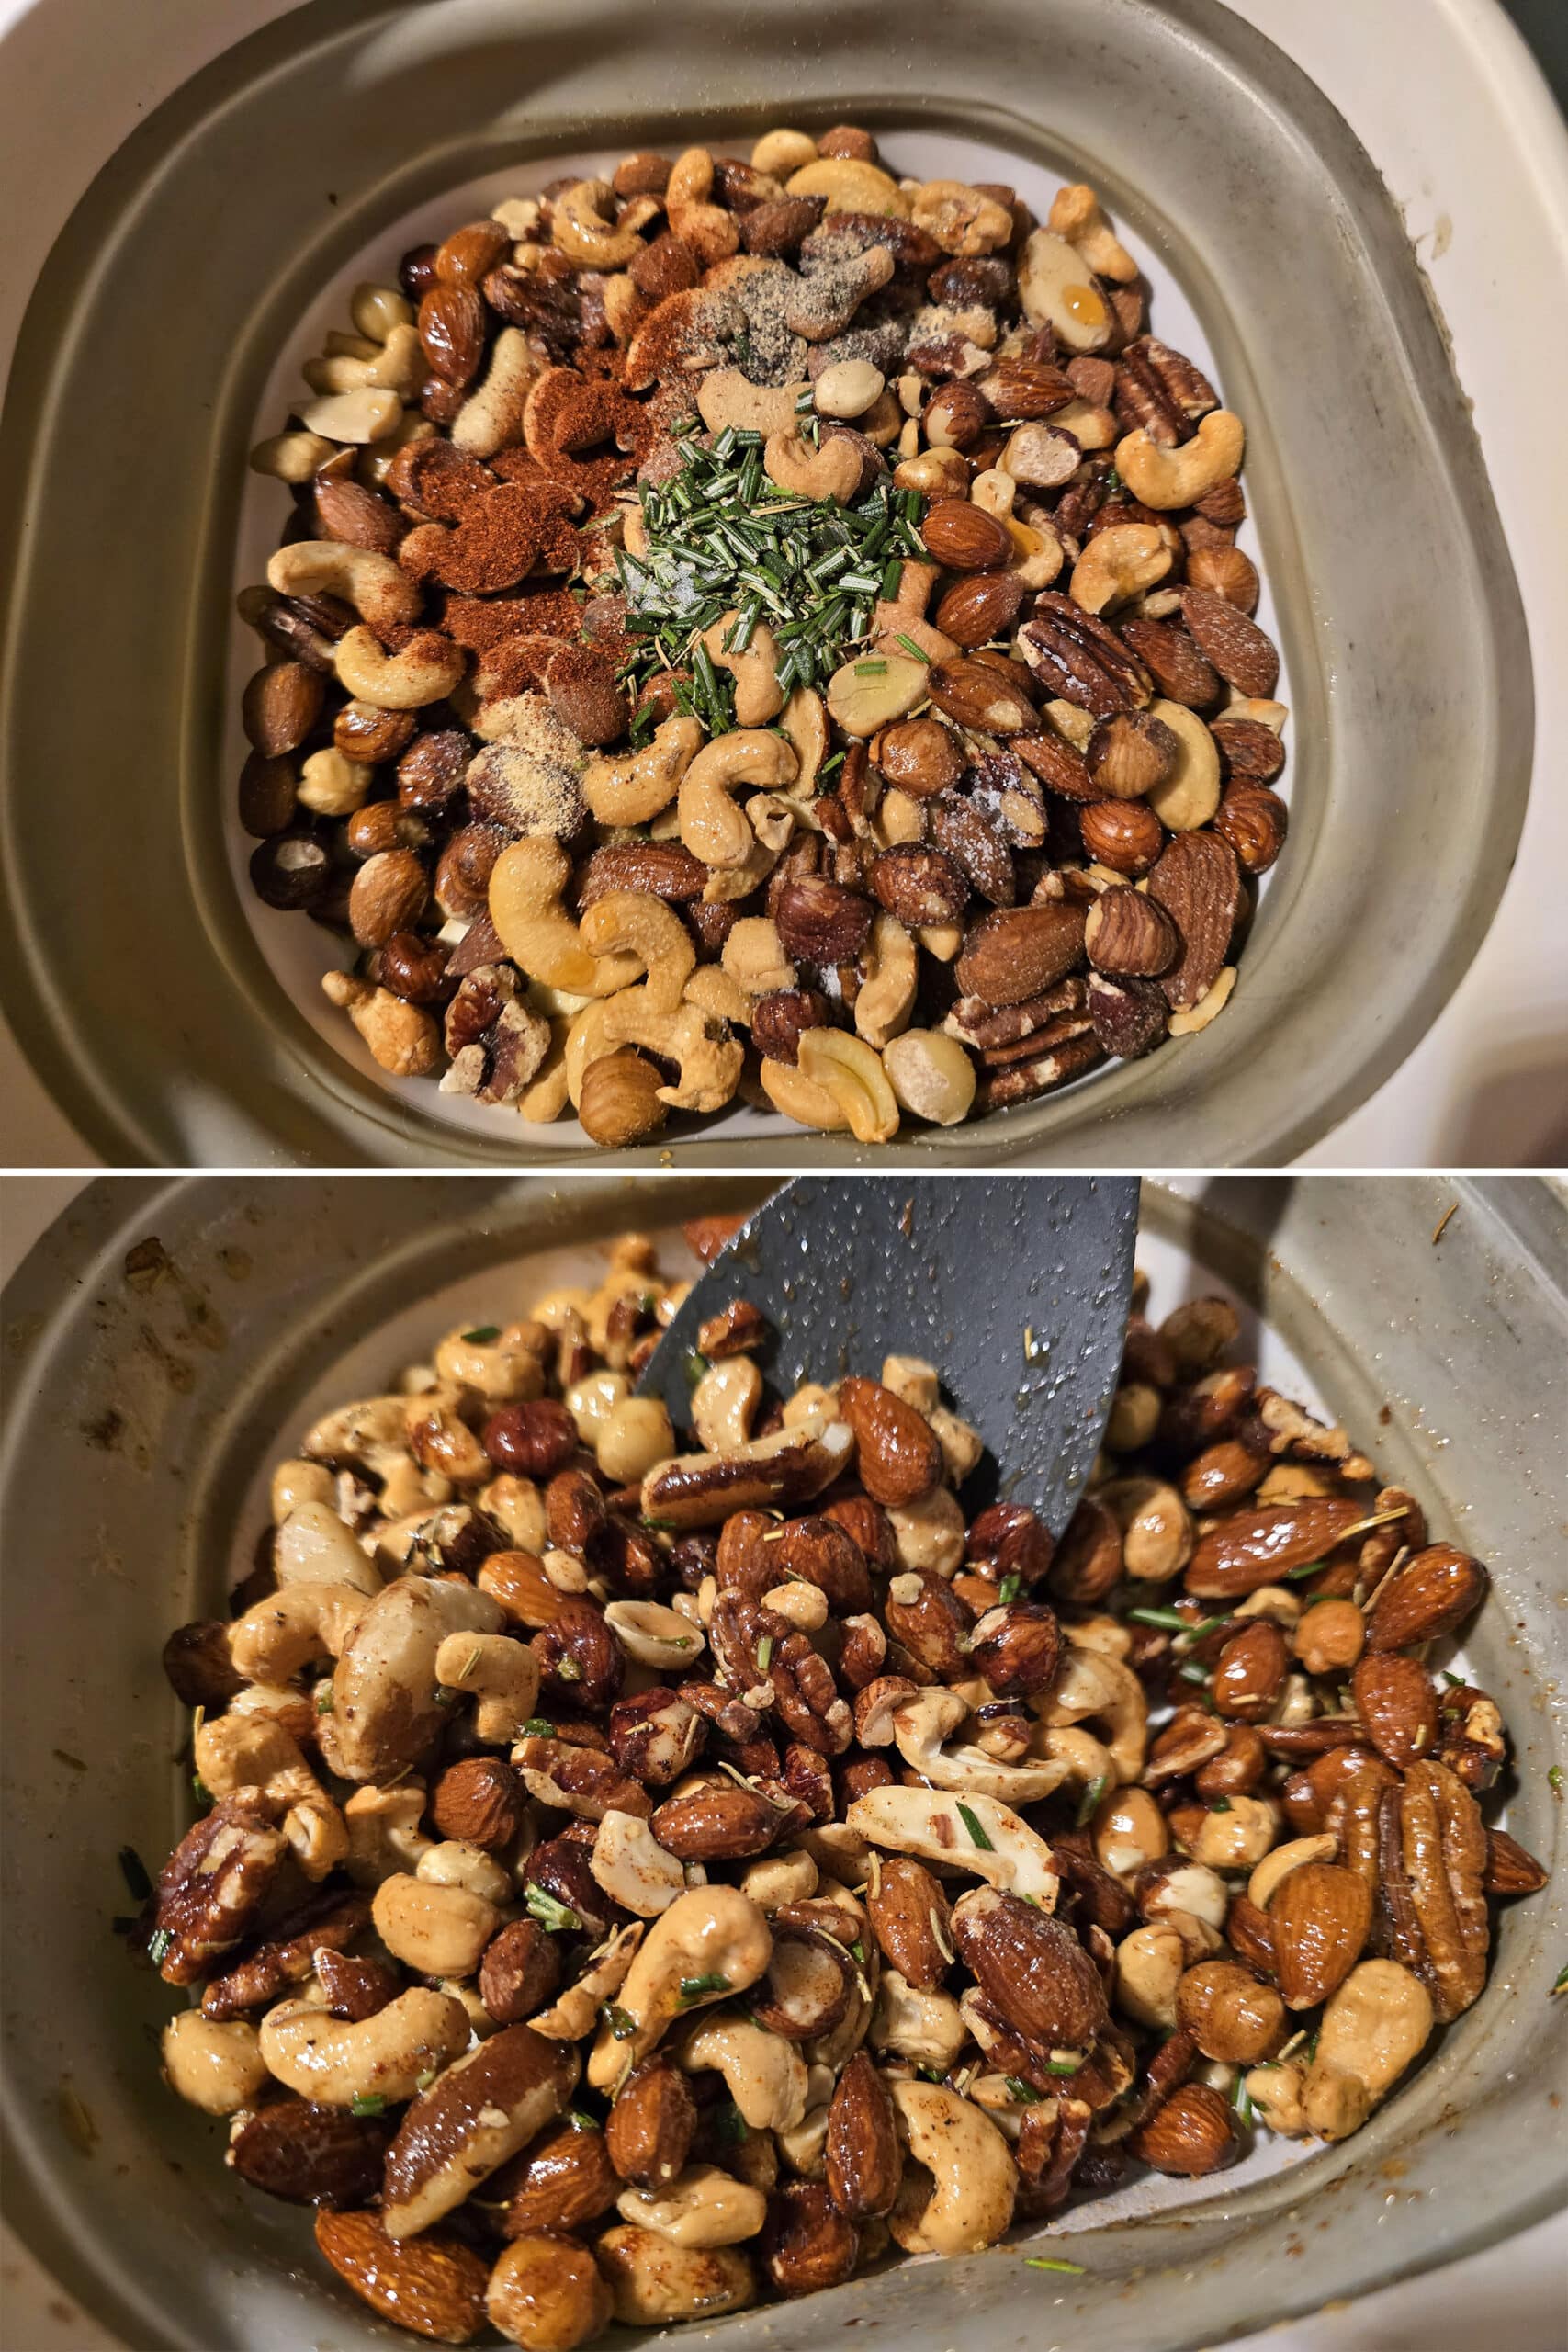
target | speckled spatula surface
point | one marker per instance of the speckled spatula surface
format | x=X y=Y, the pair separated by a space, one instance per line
x=1015 y=1288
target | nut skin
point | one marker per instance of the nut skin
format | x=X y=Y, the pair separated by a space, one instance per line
x=822 y=923
x=1009 y=1540
x=519 y=1972
x=1229 y=2014
x=983 y=690
x=479 y=1802
x=1254 y=820
x=1249 y=1672
x=580 y=1662
x=907 y=1910
x=1190 y=2134
x=962 y=537
x=898 y=1454
x=1397 y=1701
x=547 y=2294
x=932 y=1624
x=862 y=2159
x=413 y=968
x=1432 y=1594
x=920 y=755
x=980 y=607
x=1017 y=951
x=652 y=2125
x=619 y=1103
x=955 y=417
x=919 y=885
x=559 y=2181
x=807 y=2243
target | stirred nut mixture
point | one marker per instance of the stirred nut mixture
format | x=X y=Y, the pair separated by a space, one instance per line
x=763 y=629
x=631 y=1884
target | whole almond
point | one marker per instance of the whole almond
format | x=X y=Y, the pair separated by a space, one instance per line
x=1190 y=2134
x=1173 y=661
x=433 y=2284
x=982 y=694
x=581 y=683
x=311 y=2156
x=911 y=1921
x=517 y=1583
x=1319 y=1920
x=718 y=1822
x=1196 y=881
x=519 y=1970
x=1032 y=1968
x=1019 y=950
x=1250 y=1672
x=822 y=923
x=359 y=517
x=452 y=332
x=862 y=2158
x=1511 y=1869
x=662 y=869
x=1234 y=645
x=1128 y=933
x=559 y=2181
x=897 y=1454
x=1397 y=1701
x=1259 y=1546
x=1434 y=1592
x=652 y=2125
x=281 y=705
x=1021 y=389
x=984 y=606
x=919 y=885
x=962 y=537
x=1251 y=753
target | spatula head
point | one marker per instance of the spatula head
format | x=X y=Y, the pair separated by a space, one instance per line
x=1015 y=1287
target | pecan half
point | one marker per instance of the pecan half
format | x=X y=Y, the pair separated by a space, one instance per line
x=1082 y=659
x=1432 y=1866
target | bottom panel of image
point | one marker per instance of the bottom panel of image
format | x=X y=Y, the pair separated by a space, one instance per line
x=597 y=1753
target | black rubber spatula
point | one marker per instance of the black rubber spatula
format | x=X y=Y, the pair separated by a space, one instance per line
x=1015 y=1287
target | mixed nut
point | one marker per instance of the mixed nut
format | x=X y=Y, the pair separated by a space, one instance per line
x=769 y=630
x=633 y=1881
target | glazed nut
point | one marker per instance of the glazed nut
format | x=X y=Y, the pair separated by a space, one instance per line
x=1128 y=933
x=434 y=2285
x=379 y=590
x=335 y=2062
x=974 y=2180
x=653 y=2282
x=1119 y=563
x=1231 y=2016
x=547 y=2293
x=213 y=2064
x=1192 y=2134
x=437 y=1930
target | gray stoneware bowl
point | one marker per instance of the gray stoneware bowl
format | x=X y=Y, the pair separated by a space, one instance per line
x=149 y=1384
x=127 y=964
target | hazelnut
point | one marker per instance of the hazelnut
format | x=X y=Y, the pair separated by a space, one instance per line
x=955 y=415
x=1126 y=835
x=1189 y=2135
x=848 y=140
x=581 y=1661
x=519 y=1970
x=1008 y=1539
x=479 y=1802
x=1229 y=2014
x=413 y=967
x=432 y=770
x=920 y=755
x=416 y=271
x=383 y=825
x=1254 y=820
x=388 y=895
x=779 y=1020
x=547 y=2293
x=1129 y=753
x=463 y=871
x=291 y=871
x=822 y=923
x=806 y=2244
x=1017 y=1649
x=533 y=1440
x=364 y=731
x=620 y=1102
x=1227 y=572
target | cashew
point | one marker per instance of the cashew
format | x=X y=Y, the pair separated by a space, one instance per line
x=726 y=397
x=724 y=1403
x=1167 y=478
x=277 y=1638
x=656 y=1638
x=772 y=820
x=710 y=1931
x=712 y=828
x=384 y=1835
x=758 y=695
x=850 y=186
x=292 y=457
x=765 y=2074
x=1276 y=1867
x=380 y=590
x=928 y=1536
x=780 y=1878
x=780 y=152
x=848 y=1069
x=632 y=790
x=973 y=2177
x=491 y=416
x=1075 y=214
x=754 y=959
x=213 y=2064
x=924 y=2028
x=1093 y=1686
x=1056 y=289
x=790 y=1091
x=241 y=1751
x=296 y=1482
x=918 y=1821
x=653 y=2282
x=384 y=1712
x=426 y=671
x=833 y=470
x=1119 y=563
x=930 y=1074
x=367 y=414
x=922 y=1723
x=869 y=691
x=634 y=1869
x=527 y=887
x=1375 y=2026
x=335 y=2062
x=1190 y=795
x=503 y=1370
x=633 y=922
x=1150 y=1965
x=888 y=992
x=709 y=1059
x=573 y=2016
x=582 y=227
x=313 y=1546
x=437 y=1930
x=804 y=722
x=501 y=1674
x=1275 y=2090
x=701 y=2207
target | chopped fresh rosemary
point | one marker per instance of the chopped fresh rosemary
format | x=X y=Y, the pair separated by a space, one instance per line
x=568 y=1670
x=693 y=1366
x=1296 y=1575
x=482 y=1334
x=697 y=1988
x=976 y=1829
x=1064 y=2062
x=1554 y=1778
x=538 y=1727
x=720 y=537
x=764 y=1653
x=1561 y=1983
x=729 y=2122
x=1241 y=2099
x=323 y=1697
x=581 y=2120
x=1009 y=1590
x=1089 y=1803
x=368 y=2103
x=158 y=1944
x=199 y=1789
x=1040 y=2262
x=857 y=1953
x=1220 y=1804
x=1025 y=2093
x=621 y=2022
x=423 y=2082
x=556 y=1918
